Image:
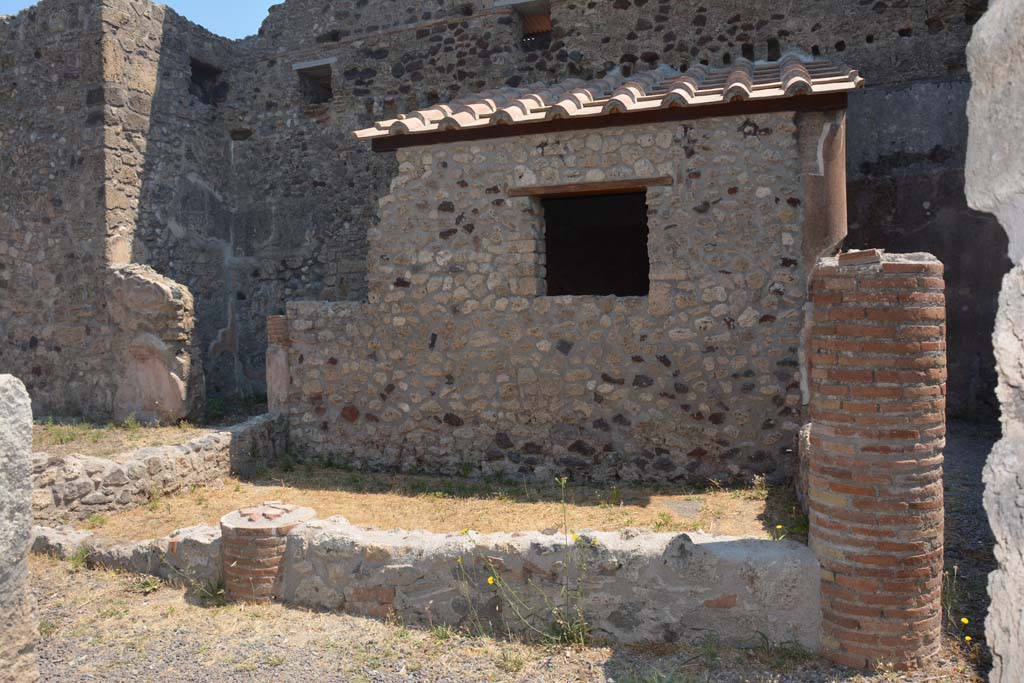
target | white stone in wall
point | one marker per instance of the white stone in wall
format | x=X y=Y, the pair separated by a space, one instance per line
x=18 y=631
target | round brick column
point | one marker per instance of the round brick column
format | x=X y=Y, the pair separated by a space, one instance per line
x=877 y=378
x=252 y=548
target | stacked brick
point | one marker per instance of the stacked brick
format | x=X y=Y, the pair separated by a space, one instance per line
x=253 y=545
x=877 y=378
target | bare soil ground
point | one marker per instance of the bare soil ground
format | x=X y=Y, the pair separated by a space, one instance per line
x=101 y=626
x=451 y=505
x=102 y=441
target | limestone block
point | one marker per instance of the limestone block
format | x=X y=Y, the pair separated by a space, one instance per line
x=995 y=163
x=18 y=632
x=1004 y=489
x=995 y=183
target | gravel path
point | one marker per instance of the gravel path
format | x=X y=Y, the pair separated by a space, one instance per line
x=99 y=626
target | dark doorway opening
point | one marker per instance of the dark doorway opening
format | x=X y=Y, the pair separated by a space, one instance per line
x=597 y=245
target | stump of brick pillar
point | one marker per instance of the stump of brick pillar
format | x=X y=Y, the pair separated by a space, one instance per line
x=252 y=547
x=877 y=375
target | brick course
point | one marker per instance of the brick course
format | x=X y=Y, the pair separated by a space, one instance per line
x=877 y=374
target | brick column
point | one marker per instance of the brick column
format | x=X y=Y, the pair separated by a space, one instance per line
x=877 y=377
x=252 y=547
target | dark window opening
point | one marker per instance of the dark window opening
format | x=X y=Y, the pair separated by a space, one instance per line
x=206 y=84
x=536 y=32
x=316 y=84
x=774 y=52
x=748 y=51
x=329 y=37
x=597 y=245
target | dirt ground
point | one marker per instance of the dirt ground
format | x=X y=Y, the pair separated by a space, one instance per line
x=106 y=440
x=101 y=626
x=451 y=505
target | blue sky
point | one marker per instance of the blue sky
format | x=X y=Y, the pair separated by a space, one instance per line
x=228 y=18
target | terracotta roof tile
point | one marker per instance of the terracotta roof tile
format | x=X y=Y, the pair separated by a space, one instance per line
x=659 y=88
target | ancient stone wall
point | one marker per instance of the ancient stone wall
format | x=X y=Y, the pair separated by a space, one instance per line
x=634 y=588
x=309 y=183
x=54 y=331
x=249 y=195
x=88 y=332
x=995 y=182
x=69 y=488
x=169 y=166
x=18 y=631
x=459 y=363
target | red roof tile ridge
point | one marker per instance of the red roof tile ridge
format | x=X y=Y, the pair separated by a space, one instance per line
x=794 y=74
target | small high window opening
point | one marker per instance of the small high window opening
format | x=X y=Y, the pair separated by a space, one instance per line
x=206 y=84
x=536 y=32
x=597 y=245
x=316 y=84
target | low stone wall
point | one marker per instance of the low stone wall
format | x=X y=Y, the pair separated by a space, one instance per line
x=72 y=487
x=637 y=586
x=187 y=556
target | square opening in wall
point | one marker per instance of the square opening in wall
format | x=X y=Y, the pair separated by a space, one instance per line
x=536 y=31
x=206 y=84
x=316 y=84
x=597 y=245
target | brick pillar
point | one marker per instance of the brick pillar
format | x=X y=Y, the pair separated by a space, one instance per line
x=877 y=377
x=252 y=548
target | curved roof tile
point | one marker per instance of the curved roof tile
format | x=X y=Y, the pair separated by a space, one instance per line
x=660 y=88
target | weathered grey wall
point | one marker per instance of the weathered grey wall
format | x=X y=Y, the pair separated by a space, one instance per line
x=995 y=182
x=86 y=331
x=18 y=632
x=460 y=363
x=53 y=331
x=396 y=56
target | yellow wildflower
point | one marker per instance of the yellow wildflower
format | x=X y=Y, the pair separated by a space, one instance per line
x=465 y=531
x=778 y=526
x=575 y=538
x=490 y=580
x=968 y=639
x=964 y=620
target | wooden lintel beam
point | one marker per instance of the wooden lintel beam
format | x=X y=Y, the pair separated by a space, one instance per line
x=583 y=189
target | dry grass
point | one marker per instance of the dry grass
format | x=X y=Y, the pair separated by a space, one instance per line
x=100 y=626
x=451 y=505
x=102 y=441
